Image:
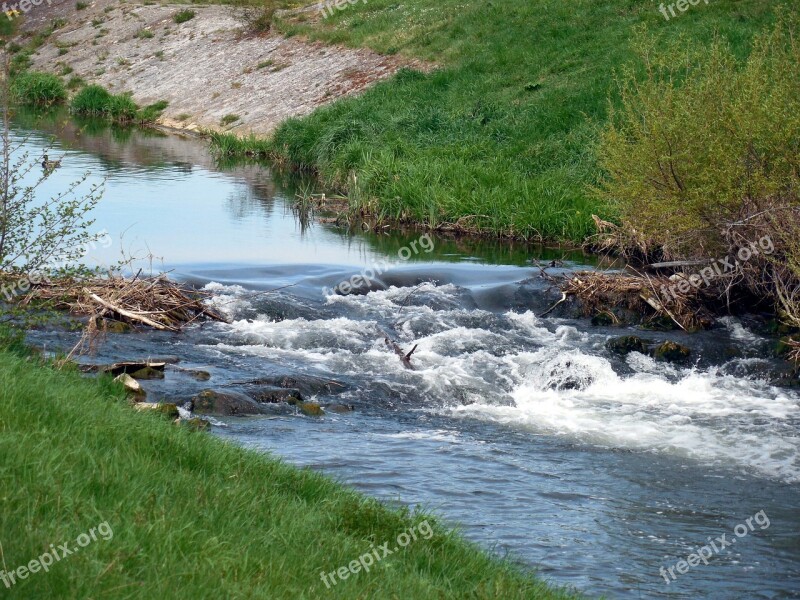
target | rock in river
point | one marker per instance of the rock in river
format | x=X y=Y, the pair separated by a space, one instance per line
x=225 y=404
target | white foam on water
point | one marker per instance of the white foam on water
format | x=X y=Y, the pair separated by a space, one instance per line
x=565 y=386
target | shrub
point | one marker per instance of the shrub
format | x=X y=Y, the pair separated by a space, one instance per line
x=38 y=89
x=81 y=5
x=183 y=16
x=703 y=157
x=144 y=34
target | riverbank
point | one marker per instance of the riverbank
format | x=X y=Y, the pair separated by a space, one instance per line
x=186 y=515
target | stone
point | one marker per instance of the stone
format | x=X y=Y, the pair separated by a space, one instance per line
x=310 y=409
x=224 y=403
x=671 y=352
x=339 y=409
x=132 y=386
x=274 y=395
x=148 y=373
x=626 y=344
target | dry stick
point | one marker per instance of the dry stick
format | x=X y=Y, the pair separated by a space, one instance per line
x=128 y=314
x=549 y=310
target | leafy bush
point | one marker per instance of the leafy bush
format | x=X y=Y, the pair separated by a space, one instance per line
x=703 y=157
x=183 y=16
x=38 y=89
x=699 y=143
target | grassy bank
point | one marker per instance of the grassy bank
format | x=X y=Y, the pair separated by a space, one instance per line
x=502 y=137
x=192 y=516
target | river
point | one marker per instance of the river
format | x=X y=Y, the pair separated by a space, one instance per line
x=522 y=430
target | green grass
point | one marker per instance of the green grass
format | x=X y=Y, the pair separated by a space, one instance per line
x=228 y=119
x=231 y=145
x=501 y=137
x=37 y=89
x=194 y=517
x=183 y=15
x=96 y=101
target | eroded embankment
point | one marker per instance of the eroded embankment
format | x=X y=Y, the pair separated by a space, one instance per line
x=206 y=67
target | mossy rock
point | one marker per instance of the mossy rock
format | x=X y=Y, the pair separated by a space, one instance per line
x=626 y=344
x=671 y=352
x=310 y=409
x=659 y=323
x=603 y=319
x=148 y=373
x=116 y=326
x=199 y=375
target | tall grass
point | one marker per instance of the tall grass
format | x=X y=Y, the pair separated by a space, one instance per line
x=96 y=101
x=501 y=136
x=37 y=89
x=194 y=517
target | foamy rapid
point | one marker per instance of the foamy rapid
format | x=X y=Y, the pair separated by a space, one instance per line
x=542 y=376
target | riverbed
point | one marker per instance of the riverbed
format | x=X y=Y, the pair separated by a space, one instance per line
x=522 y=430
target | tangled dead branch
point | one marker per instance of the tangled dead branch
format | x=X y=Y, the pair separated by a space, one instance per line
x=600 y=292
x=156 y=302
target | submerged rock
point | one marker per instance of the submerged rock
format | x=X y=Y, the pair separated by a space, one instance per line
x=626 y=344
x=671 y=352
x=225 y=404
x=310 y=409
x=148 y=372
x=339 y=408
x=274 y=395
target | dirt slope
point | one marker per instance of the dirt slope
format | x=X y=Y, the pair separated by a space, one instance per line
x=205 y=68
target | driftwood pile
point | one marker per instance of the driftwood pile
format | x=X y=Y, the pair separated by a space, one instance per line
x=156 y=302
x=600 y=292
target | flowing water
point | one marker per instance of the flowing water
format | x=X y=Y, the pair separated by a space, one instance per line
x=521 y=429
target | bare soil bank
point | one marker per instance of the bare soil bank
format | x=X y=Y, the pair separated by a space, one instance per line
x=206 y=68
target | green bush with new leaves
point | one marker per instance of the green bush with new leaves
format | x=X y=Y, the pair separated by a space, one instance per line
x=702 y=142
x=702 y=158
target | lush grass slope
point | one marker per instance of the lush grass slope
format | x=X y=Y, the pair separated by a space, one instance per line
x=502 y=136
x=193 y=517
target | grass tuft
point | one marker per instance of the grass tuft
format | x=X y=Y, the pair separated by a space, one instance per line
x=38 y=89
